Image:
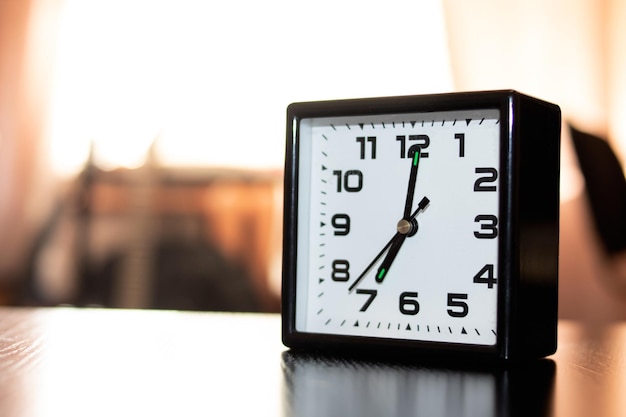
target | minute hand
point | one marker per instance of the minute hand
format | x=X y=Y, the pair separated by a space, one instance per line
x=412 y=180
x=405 y=226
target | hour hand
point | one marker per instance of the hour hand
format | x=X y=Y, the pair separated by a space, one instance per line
x=371 y=265
x=406 y=227
x=383 y=269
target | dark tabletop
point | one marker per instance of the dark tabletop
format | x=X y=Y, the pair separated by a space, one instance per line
x=69 y=362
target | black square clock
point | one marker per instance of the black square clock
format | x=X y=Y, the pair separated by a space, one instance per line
x=426 y=225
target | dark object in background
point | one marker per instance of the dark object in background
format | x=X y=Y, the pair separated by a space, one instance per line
x=187 y=276
x=606 y=188
x=197 y=277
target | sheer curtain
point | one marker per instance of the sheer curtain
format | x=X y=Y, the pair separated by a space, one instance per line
x=571 y=53
x=203 y=77
x=28 y=31
x=206 y=83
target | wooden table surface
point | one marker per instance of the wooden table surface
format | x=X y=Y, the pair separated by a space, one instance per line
x=82 y=362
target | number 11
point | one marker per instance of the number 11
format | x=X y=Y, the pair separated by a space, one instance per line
x=372 y=141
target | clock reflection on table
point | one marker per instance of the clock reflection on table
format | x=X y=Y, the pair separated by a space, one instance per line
x=318 y=385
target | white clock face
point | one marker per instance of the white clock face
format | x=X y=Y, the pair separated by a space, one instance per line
x=398 y=226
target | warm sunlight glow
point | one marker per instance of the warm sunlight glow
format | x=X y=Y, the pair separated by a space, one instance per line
x=212 y=80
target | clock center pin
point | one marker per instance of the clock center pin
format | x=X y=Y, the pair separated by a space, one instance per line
x=407 y=227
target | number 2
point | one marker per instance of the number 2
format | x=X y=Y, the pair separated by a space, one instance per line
x=492 y=176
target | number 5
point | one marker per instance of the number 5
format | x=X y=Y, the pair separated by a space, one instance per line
x=455 y=300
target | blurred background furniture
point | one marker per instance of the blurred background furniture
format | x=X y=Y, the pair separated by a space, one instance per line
x=153 y=237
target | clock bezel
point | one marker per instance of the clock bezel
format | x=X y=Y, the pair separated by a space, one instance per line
x=510 y=261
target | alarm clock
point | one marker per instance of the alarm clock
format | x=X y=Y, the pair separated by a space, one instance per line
x=425 y=225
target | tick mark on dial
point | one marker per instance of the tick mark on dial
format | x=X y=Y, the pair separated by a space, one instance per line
x=320 y=312
x=333 y=126
x=477 y=332
x=327 y=322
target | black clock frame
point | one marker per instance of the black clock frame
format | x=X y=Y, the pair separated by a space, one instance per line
x=528 y=217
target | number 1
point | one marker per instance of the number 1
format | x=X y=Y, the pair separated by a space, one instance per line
x=461 y=138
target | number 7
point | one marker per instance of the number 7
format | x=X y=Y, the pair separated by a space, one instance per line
x=372 y=294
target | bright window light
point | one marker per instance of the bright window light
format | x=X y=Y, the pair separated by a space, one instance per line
x=210 y=81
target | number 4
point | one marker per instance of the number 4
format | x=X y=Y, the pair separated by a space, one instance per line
x=489 y=279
